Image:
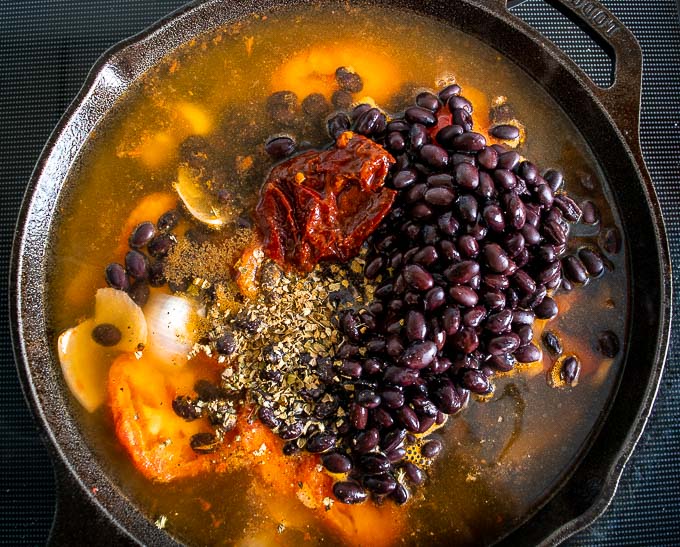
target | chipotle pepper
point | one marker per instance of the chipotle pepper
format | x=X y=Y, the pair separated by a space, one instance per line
x=324 y=204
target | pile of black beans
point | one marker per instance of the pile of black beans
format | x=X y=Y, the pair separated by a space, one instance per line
x=464 y=264
x=144 y=269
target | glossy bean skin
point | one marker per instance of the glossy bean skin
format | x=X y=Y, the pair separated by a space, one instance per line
x=349 y=492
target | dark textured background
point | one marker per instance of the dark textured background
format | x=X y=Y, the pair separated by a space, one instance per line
x=46 y=50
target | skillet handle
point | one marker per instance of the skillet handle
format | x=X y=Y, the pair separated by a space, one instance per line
x=622 y=98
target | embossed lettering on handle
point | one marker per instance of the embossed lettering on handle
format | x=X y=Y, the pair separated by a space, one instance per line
x=597 y=15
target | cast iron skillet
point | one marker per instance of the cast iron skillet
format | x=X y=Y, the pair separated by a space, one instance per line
x=91 y=508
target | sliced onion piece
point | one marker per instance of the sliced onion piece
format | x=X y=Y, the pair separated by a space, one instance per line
x=198 y=201
x=117 y=308
x=172 y=322
x=85 y=365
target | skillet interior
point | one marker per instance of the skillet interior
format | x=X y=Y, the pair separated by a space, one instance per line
x=624 y=171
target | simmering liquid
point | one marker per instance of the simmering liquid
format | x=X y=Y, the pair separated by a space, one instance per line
x=504 y=455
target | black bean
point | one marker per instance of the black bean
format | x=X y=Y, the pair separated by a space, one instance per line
x=552 y=342
x=186 y=408
x=524 y=282
x=448 y=224
x=358 y=416
x=348 y=80
x=506 y=343
x=467 y=207
x=493 y=216
x=496 y=282
x=455 y=102
x=547 y=309
x=400 y=494
x=382 y=417
x=449 y=91
x=116 y=277
x=396 y=455
x=395 y=142
x=320 y=442
x=446 y=135
x=139 y=292
x=106 y=334
x=370 y=122
x=393 y=439
x=440 y=195
x=282 y=107
x=426 y=256
x=374 y=267
x=400 y=376
x=226 y=344
x=394 y=347
x=267 y=417
x=504 y=178
x=374 y=463
x=505 y=132
x=428 y=100
x=554 y=179
x=168 y=221
x=530 y=234
x=418 y=136
x=488 y=158
x=381 y=484
x=610 y=239
x=608 y=344
x=494 y=301
x=417 y=277
x=142 y=234
x=462 y=272
x=368 y=399
x=431 y=449
x=473 y=317
x=415 y=327
x=409 y=419
x=475 y=381
x=204 y=443
x=574 y=269
x=554 y=232
x=447 y=399
x=516 y=212
x=469 y=142
x=571 y=367
x=508 y=160
x=341 y=99
x=156 y=276
x=417 y=114
x=496 y=257
x=503 y=362
x=418 y=355
x=434 y=156
x=465 y=340
x=525 y=333
x=161 y=245
x=462 y=118
x=528 y=354
x=592 y=261
x=569 y=208
x=414 y=473
x=523 y=317
x=337 y=124
x=465 y=296
x=349 y=492
x=136 y=264
x=336 y=463
x=499 y=322
x=289 y=432
x=280 y=147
